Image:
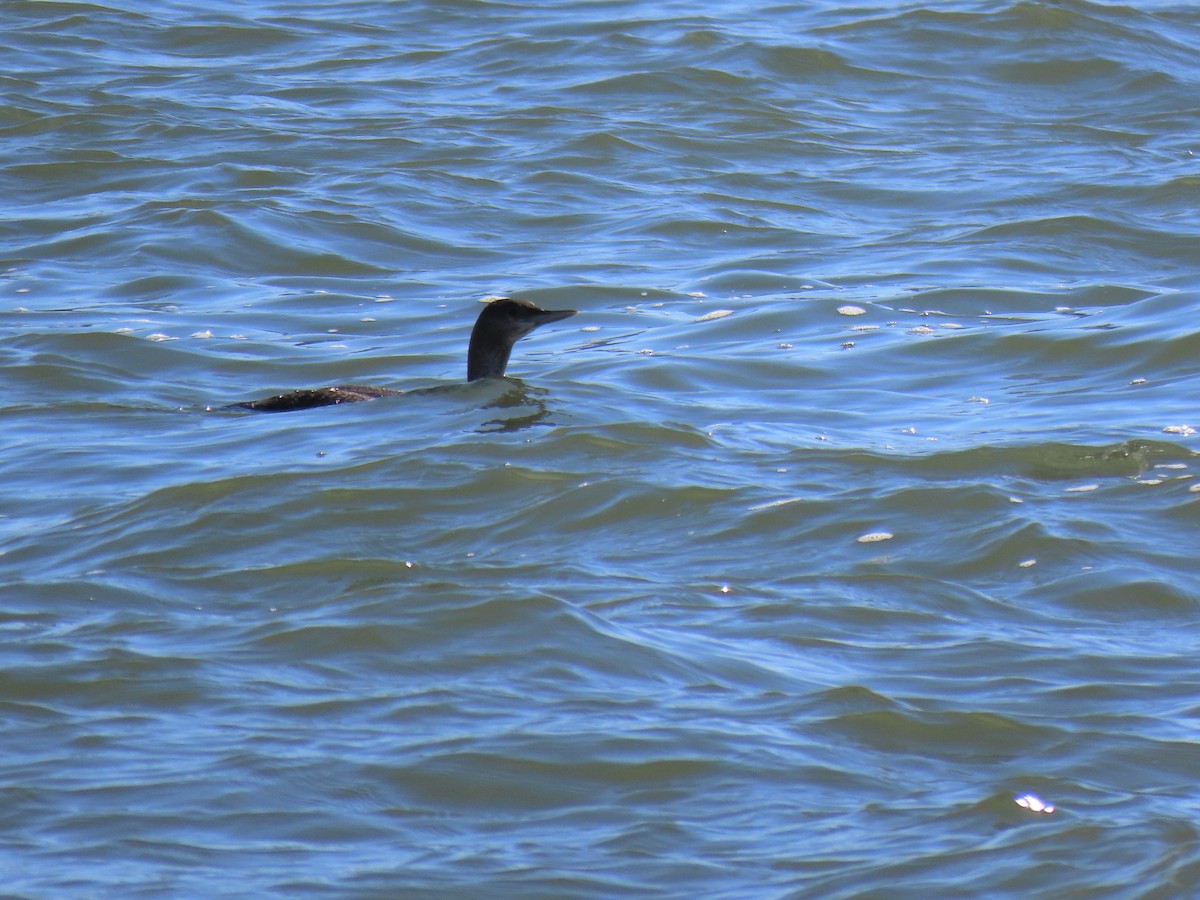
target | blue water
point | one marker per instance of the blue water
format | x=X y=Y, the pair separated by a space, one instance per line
x=858 y=501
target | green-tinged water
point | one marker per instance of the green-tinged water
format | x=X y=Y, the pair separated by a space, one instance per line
x=859 y=500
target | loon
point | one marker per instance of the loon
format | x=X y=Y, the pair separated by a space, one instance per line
x=502 y=323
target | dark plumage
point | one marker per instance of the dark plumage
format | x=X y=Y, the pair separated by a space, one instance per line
x=501 y=324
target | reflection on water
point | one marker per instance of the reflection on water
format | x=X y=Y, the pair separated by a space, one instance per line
x=528 y=404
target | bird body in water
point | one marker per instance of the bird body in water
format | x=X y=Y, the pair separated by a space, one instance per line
x=501 y=324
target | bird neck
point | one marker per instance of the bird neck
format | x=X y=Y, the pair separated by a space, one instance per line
x=487 y=355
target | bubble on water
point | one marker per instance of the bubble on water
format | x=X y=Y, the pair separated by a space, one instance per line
x=715 y=314
x=1033 y=802
x=1082 y=488
x=1185 y=430
x=851 y=311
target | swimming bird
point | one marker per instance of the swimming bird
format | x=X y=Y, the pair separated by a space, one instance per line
x=502 y=323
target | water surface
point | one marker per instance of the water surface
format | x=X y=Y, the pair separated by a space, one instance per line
x=606 y=627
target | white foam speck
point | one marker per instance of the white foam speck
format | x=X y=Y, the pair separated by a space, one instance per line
x=775 y=503
x=874 y=537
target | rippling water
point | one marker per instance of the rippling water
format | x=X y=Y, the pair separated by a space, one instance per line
x=920 y=274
